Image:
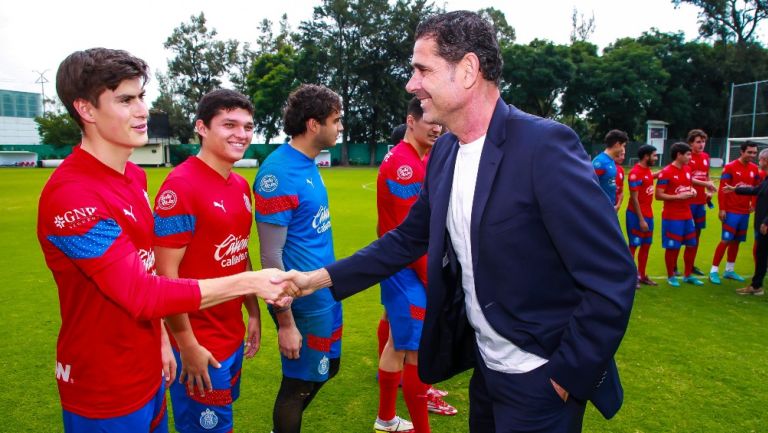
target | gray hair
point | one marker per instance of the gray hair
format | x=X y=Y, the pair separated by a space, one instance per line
x=763 y=153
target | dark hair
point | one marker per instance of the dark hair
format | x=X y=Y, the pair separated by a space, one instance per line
x=460 y=32
x=414 y=108
x=678 y=148
x=87 y=74
x=615 y=136
x=398 y=133
x=309 y=101
x=746 y=144
x=215 y=101
x=644 y=150
x=695 y=133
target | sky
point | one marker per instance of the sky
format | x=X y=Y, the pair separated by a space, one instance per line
x=38 y=35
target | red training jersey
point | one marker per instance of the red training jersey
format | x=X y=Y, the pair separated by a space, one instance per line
x=700 y=171
x=92 y=218
x=619 y=182
x=210 y=216
x=397 y=188
x=641 y=181
x=738 y=174
x=673 y=180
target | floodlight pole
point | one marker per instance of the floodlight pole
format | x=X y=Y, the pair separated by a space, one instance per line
x=42 y=80
x=728 y=133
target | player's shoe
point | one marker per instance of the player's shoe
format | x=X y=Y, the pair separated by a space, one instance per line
x=749 y=290
x=697 y=271
x=438 y=406
x=647 y=281
x=395 y=424
x=714 y=277
x=733 y=276
x=677 y=273
x=672 y=281
x=690 y=279
x=438 y=392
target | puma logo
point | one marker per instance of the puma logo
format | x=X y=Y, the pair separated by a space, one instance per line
x=130 y=213
x=221 y=205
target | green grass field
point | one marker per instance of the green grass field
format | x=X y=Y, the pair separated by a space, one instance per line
x=693 y=359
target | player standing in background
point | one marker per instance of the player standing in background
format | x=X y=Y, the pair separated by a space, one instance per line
x=620 y=178
x=604 y=165
x=95 y=229
x=202 y=226
x=675 y=188
x=639 y=218
x=702 y=183
x=735 y=210
x=294 y=225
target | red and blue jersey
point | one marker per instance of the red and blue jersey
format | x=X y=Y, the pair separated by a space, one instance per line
x=673 y=180
x=92 y=218
x=699 y=165
x=197 y=209
x=619 y=182
x=738 y=174
x=641 y=182
x=400 y=177
x=289 y=192
x=605 y=169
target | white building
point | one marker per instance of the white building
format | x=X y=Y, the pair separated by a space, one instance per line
x=17 y=117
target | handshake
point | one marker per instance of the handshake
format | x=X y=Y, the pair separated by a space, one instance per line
x=278 y=287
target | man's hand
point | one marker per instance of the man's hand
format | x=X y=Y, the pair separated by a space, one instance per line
x=710 y=186
x=253 y=339
x=729 y=189
x=559 y=390
x=763 y=229
x=721 y=215
x=300 y=280
x=169 y=361
x=194 y=368
x=267 y=285
x=644 y=225
x=289 y=341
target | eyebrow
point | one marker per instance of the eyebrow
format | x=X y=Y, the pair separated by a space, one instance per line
x=129 y=96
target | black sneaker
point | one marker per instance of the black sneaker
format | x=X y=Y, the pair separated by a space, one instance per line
x=697 y=271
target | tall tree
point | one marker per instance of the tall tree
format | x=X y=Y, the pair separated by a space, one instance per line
x=581 y=27
x=729 y=19
x=505 y=33
x=271 y=80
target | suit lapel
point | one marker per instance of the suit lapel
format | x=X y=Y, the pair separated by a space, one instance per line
x=443 y=191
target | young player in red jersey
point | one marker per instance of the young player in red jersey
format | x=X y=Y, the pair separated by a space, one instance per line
x=95 y=230
x=202 y=227
x=702 y=183
x=734 y=211
x=639 y=217
x=619 y=178
x=675 y=188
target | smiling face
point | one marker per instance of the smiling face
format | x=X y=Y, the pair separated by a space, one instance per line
x=435 y=82
x=228 y=135
x=121 y=116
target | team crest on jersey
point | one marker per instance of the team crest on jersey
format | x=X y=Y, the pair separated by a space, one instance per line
x=167 y=200
x=632 y=177
x=247 y=201
x=75 y=217
x=208 y=419
x=405 y=172
x=322 y=367
x=268 y=183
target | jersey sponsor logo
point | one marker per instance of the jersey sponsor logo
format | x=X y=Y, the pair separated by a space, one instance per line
x=682 y=189
x=268 y=183
x=220 y=204
x=649 y=190
x=232 y=251
x=63 y=371
x=75 y=217
x=148 y=259
x=322 y=366
x=167 y=200
x=405 y=172
x=130 y=213
x=322 y=220
x=208 y=419
x=247 y=201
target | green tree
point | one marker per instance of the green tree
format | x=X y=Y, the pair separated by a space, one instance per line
x=58 y=129
x=271 y=80
x=504 y=32
x=729 y=19
x=168 y=102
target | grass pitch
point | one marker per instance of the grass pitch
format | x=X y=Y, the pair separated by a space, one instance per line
x=692 y=359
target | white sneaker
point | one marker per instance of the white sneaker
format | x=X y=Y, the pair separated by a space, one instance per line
x=396 y=424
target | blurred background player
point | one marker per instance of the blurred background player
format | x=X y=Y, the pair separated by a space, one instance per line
x=605 y=165
x=202 y=227
x=675 y=189
x=702 y=183
x=403 y=295
x=734 y=210
x=639 y=218
x=294 y=225
x=619 y=179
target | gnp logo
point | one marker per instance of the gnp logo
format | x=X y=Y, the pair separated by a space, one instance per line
x=322 y=220
x=63 y=372
x=75 y=217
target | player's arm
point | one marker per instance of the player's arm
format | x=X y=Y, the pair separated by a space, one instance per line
x=726 y=180
x=253 y=329
x=619 y=200
x=708 y=184
x=166 y=355
x=662 y=195
x=272 y=239
x=635 y=204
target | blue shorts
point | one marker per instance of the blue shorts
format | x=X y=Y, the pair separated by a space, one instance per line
x=405 y=300
x=321 y=341
x=152 y=418
x=212 y=413
x=675 y=233
x=635 y=235
x=699 y=212
x=735 y=227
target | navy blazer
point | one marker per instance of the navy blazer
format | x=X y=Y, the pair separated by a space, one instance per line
x=552 y=271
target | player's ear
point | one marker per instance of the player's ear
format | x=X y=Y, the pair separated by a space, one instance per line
x=468 y=69
x=200 y=128
x=409 y=120
x=85 y=109
x=313 y=125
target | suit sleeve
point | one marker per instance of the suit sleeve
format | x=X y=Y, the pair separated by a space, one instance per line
x=594 y=254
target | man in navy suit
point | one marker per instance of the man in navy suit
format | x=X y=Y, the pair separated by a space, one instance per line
x=529 y=280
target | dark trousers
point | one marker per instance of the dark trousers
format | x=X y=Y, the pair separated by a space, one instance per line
x=761 y=259
x=525 y=402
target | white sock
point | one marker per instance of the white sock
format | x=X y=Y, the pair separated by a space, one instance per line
x=715 y=269
x=730 y=266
